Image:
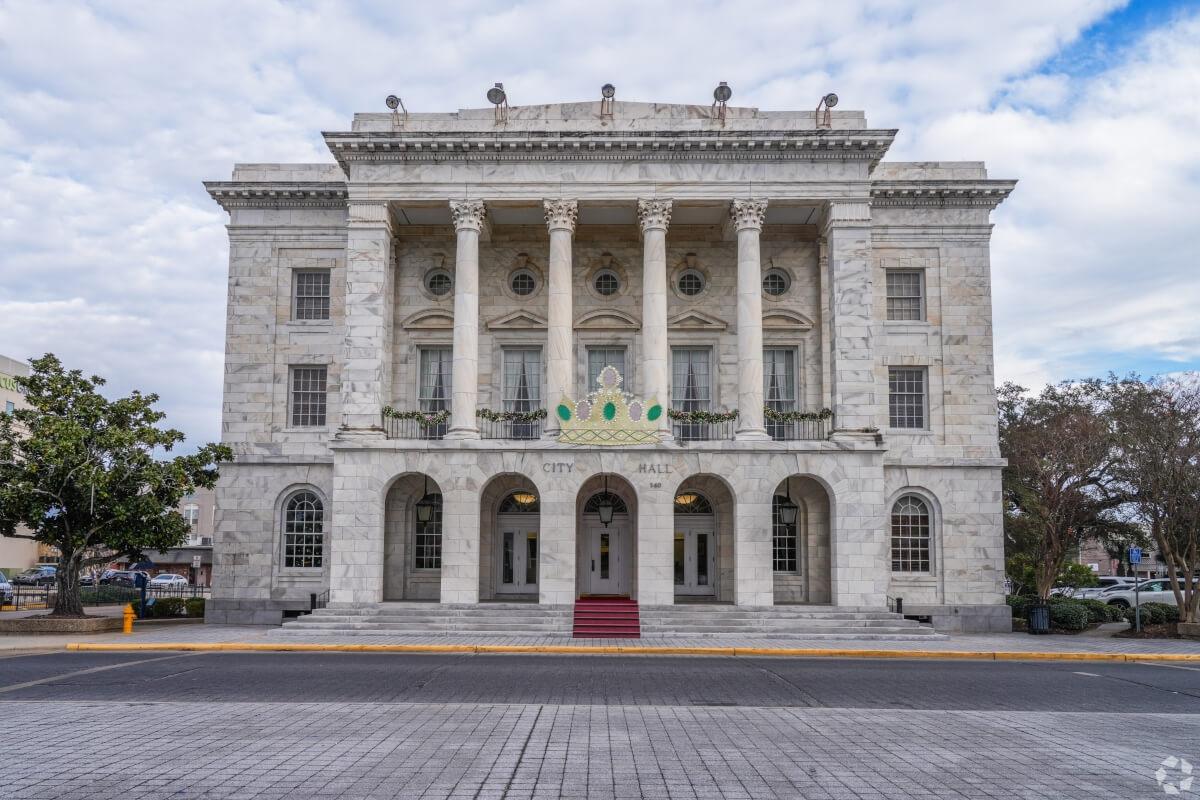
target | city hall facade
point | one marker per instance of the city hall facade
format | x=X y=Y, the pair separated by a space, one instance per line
x=712 y=356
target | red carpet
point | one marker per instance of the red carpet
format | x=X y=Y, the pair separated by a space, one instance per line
x=607 y=618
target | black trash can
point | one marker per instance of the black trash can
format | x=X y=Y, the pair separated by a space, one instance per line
x=1038 y=618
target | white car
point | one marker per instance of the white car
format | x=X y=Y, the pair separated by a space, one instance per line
x=1104 y=584
x=1157 y=590
x=168 y=579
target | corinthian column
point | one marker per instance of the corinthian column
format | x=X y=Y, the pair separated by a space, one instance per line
x=560 y=220
x=655 y=216
x=469 y=218
x=748 y=221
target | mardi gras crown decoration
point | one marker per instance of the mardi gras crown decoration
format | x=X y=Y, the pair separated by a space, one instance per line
x=609 y=416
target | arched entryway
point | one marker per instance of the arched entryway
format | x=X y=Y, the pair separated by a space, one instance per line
x=412 y=542
x=801 y=557
x=606 y=538
x=509 y=539
x=702 y=547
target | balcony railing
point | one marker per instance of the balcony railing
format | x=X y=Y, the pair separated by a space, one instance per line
x=800 y=430
x=703 y=431
x=514 y=429
x=411 y=428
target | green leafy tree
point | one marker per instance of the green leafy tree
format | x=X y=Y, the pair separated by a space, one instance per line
x=1060 y=487
x=79 y=472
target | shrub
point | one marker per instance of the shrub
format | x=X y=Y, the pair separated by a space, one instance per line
x=167 y=607
x=194 y=606
x=1098 y=611
x=1163 y=612
x=1069 y=615
x=1019 y=605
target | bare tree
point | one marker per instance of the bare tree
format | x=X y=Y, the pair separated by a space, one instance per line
x=1060 y=486
x=1157 y=425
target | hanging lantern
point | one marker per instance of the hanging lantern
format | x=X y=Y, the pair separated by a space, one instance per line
x=788 y=509
x=605 y=507
x=425 y=505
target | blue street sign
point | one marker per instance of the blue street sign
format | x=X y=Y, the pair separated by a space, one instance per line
x=1135 y=555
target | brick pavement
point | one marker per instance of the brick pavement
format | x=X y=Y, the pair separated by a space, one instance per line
x=380 y=750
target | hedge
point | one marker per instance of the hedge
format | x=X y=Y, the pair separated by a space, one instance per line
x=1070 y=615
x=194 y=606
x=1154 y=614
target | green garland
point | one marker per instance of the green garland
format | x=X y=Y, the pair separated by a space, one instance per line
x=705 y=417
x=797 y=416
x=426 y=419
x=510 y=416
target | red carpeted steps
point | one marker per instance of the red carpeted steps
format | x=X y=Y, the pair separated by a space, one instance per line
x=607 y=618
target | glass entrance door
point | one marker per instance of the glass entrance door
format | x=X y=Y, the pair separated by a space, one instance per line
x=695 y=559
x=517 y=558
x=605 y=564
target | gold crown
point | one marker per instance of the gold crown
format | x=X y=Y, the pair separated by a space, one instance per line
x=609 y=416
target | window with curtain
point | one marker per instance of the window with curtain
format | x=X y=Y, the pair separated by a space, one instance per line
x=436 y=387
x=691 y=378
x=601 y=357
x=522 y=390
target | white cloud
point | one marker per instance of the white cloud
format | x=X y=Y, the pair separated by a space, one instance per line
x=113 y=256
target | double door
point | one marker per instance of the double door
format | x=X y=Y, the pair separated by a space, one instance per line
x=517 y=556
x=695 y=557
x=606 y=558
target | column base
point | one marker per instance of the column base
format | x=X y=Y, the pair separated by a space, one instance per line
x=462 y=433
x=752 y=435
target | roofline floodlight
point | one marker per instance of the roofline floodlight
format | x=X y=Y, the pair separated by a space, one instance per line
x=721 y=96
x=827 y=102
x=499 y=98
x=398 y=110
x=607 y=93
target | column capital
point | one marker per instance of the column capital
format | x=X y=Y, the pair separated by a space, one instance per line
x=847 y=213
x=561 y=214
x=468 y=215
x=748 y=214
x=654 y=214
x=369 y=214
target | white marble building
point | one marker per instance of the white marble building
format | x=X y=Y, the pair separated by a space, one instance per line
x=766 y=262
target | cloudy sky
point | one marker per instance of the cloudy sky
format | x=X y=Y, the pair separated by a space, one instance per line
x=111 y=115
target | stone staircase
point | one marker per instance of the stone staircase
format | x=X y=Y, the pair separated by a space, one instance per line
x=606 y=618
x=697 y=620
x=781 y=622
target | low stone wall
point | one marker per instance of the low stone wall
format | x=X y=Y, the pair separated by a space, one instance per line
x=1189 y=630
x=964 y=618
x=43 y=624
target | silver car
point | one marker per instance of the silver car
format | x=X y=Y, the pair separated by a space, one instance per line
x=6 y=589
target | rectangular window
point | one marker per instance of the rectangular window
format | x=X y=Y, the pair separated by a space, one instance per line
x=522 y=390
x=427 y=544
x=601 y=357
x=691 y=378
x=310 y=294
x=784 y=541
x=906 y=397
x=9 y=407
x=436 y=388
x=905 y=294
x=308 y=397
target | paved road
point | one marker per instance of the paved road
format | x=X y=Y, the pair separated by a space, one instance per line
x=272 y=725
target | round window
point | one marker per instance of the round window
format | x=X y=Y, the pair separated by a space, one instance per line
x=691 y=283
x=607 y=283
x=438 y=283
x=522 y=283
x=776 y=282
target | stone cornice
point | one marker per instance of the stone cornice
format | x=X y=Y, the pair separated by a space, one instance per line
x=801 y=145
x=941 y=193
x=238 y=194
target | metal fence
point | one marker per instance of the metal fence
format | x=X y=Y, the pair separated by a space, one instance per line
x=30 y=598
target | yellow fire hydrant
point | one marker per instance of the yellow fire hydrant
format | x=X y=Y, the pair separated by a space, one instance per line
x=127 y=626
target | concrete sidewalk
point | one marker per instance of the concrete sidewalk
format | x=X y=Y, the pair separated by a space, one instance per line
x=235 y=637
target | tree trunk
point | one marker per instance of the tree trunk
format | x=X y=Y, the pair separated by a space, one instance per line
x=68 y=603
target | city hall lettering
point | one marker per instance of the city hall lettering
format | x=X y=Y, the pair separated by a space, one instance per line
x=654 y=353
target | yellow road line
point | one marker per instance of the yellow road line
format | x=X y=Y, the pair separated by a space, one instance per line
x=306 y=647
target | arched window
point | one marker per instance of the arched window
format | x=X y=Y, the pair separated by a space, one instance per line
x=304 y=531
x=519 y=502
x=784 y=540
x=427 y=543
x=692 y=503
x=910 y=535
x=593 y=505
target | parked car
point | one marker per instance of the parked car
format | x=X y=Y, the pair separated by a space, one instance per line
x=6 y=589
x=44 y=575
x=1104 y=584
x=124 y=577
x=1157 y=590
x=168 y=579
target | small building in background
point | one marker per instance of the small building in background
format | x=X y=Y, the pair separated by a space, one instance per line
x=193 y=559
x=1093 y=554
x=16 y=554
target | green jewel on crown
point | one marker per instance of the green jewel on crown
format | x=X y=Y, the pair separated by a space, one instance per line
x=608 y=415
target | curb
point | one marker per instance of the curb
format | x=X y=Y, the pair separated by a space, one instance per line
x=477 y=649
